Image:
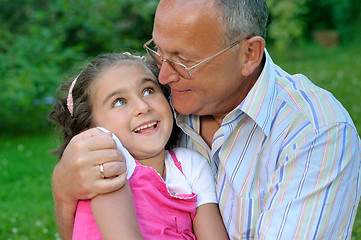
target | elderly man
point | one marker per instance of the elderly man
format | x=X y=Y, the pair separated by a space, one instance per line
x=285 y=154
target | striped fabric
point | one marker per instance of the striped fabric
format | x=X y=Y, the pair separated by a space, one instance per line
x=286 y=161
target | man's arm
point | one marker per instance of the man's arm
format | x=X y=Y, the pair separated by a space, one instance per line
x=64 y=213
x=77 y=174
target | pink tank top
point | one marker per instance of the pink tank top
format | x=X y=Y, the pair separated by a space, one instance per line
x=160 y=214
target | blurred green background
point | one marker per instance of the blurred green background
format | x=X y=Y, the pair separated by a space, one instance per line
x=43 y=42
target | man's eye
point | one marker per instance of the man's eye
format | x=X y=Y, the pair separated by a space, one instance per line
x=119 y=102
x=148 y=91
x=185 y=61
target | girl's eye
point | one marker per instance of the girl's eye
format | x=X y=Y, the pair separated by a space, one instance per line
x=119 y=102
x=148 y=91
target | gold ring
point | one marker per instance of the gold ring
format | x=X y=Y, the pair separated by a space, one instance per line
x=101 y=169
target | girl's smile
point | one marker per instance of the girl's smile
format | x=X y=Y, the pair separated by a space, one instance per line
x=147 y=128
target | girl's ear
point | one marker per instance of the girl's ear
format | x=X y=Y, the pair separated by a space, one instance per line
x=252 y=54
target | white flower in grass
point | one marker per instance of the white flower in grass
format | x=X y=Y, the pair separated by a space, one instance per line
x=57 y=236
x=4 y=162
x=20 y=147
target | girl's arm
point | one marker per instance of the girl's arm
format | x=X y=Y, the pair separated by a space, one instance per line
x=208 y=223
x=115 y=215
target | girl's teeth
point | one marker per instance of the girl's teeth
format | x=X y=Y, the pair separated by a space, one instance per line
x=145 y=126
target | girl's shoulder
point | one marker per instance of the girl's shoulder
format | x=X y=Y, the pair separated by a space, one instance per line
x=198 y=173
x=190 y=160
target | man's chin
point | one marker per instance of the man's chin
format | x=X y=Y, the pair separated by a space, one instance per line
x=189 y=106
x=184 y=107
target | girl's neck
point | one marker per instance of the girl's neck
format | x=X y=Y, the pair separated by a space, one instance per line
x=156 y=162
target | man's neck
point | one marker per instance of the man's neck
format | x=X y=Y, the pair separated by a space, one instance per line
x=209 y=126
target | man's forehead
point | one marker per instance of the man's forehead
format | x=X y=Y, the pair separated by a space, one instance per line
x=175 y=28
x=174 y=16
x=185 y=4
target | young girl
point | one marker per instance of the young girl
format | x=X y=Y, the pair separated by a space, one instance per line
x=173 y=190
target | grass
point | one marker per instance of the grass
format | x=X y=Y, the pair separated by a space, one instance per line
x=25 y=194
x=25 y=174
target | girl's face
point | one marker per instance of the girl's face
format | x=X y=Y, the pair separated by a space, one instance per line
x=128 y=101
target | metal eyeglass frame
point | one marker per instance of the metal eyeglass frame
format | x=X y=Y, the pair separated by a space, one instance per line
x=152 y=53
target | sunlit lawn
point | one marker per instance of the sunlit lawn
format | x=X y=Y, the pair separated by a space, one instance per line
x=26 y=203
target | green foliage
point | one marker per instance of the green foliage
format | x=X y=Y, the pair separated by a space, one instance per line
x=30 y=68
x=333 y=14
x=293 y=21
x=287 y=23
x=40 y=41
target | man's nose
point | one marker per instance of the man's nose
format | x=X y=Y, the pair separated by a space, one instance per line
x=167 y=74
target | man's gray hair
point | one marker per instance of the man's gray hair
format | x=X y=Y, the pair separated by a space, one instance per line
x=245 y=18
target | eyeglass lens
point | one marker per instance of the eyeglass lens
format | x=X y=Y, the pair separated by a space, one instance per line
x=176 y=67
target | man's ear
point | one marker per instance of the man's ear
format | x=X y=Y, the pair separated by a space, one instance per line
x=252 y=54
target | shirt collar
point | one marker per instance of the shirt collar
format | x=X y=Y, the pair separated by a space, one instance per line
x=259 y=102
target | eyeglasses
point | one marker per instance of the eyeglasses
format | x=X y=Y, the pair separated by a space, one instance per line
x=180 y=68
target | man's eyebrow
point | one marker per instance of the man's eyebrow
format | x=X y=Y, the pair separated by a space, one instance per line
x=172 y=52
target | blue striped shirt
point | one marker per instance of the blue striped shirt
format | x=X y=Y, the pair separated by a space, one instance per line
x=286 y=161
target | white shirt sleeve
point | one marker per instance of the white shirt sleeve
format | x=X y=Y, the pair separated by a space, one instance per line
x=198 y=174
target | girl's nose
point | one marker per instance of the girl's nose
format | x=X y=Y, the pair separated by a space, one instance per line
x=167 y=74
x=140 y=107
